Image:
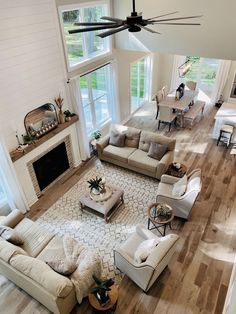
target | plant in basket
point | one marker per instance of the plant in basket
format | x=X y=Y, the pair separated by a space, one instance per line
x=101 y=290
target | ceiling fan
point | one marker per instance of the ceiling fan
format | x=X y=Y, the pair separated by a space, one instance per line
x=134 y=23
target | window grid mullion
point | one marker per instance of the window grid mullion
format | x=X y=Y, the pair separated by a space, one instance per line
x=91 y=100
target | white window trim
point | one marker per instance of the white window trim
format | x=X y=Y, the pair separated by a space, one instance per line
x=148 y=83
x=98 y=56
x=110 y=94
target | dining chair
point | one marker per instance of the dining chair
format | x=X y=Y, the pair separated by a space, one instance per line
x=164 y=91
x=191 y=85
x=166 y=115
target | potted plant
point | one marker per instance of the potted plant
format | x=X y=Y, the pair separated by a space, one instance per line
x=96 y=135
x=59 y=102
x=101 y=290
x=68 y=115
x=95 y=185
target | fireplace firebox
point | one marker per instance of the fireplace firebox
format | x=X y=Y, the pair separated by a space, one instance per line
x=47 y=168
x=51 y=165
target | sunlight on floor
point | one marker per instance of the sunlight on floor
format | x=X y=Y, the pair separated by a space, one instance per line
x=199 y=148
x=217 y=251
x=142 y=113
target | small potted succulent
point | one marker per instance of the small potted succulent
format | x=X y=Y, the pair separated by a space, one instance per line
x=95 y=185
x=96 y=135
x=68 y=115
x=101 y=290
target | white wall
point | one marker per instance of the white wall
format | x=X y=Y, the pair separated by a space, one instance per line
x=31 y=62
x=227 y=90
x=213 y=39
x=124 y=60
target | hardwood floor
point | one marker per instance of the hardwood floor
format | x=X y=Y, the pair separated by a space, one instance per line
x=197 y=278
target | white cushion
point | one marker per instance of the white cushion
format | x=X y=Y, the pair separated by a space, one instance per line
x=180 y=186
x=144 y=249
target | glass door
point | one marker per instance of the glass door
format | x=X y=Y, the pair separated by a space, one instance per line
x=203 y=71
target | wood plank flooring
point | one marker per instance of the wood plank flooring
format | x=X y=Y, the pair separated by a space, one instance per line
x=197 y=278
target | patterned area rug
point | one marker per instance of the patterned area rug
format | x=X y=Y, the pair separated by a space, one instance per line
x=66 y=218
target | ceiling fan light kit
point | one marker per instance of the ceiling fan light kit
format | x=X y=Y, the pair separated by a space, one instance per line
x=134 y=23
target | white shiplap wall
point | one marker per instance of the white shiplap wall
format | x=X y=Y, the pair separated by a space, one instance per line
x=31 y=61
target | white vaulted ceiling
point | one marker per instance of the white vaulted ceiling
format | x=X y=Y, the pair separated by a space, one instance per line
x=214 y=38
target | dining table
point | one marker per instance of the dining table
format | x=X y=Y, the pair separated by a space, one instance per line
x=181 y=104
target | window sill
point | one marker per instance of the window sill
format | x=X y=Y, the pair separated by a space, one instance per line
x=90 y=60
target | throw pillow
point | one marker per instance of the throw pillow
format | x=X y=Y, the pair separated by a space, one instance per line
x=144 y=249
x=157 y=151
x=63 y=267
x=117 y=139
x=11 y=235
x=180 y=186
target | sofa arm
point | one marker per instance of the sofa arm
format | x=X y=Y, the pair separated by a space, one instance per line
x=164 y=163
x=13 y=218
x=161 y=251
x=101 y=144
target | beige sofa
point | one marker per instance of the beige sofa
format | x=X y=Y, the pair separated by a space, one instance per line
x=133 y=155
x=25 y=266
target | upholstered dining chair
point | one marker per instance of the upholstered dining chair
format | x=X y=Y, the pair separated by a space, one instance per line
x=183 y=204
x=166 y=115
x=145 y=272
x=158 y=98
x=191 y=85
x=164 y=91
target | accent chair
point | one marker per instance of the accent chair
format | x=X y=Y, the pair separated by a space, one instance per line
x=183 y=204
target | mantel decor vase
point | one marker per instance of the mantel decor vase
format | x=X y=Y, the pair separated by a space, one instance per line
x=61 y=117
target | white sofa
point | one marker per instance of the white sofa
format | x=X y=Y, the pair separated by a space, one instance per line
x=134 y=154
x=146 y=273
x=181 y=205
x=24 y=265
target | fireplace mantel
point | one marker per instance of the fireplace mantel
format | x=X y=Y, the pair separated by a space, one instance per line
x=43 y=146
x=15 y=155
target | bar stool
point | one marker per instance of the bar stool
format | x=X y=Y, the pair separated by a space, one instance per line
x=226 y=132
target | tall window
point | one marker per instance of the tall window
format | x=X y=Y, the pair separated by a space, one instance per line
x=97 y=93
x=139 y=81
x=203 y=71
x=83 y=46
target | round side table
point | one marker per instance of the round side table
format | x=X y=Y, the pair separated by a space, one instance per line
x=172 y=171
x=108 y=308
x=158 y=221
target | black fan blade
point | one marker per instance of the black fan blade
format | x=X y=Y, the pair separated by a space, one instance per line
x=156 y=17
x=176 y=18
x=89 y=29
x=176 y=23
x=148 y=29
x=93 y=23
x=113 y=31
x=113 y=19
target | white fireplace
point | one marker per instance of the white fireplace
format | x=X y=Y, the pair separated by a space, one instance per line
x=24 y=165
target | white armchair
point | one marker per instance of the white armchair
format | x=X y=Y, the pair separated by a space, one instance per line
x=145 y=274
x=181 y=205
